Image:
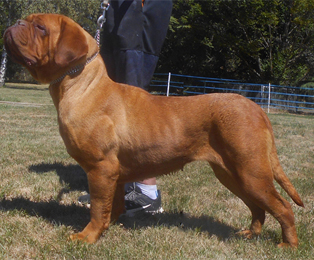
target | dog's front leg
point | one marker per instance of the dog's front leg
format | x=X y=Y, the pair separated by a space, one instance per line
x=118 y=207
x=102 y=182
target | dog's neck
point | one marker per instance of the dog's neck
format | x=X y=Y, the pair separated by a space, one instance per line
x=75 y=69
x=78 y=83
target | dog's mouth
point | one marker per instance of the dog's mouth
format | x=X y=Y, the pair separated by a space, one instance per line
x=15 y=48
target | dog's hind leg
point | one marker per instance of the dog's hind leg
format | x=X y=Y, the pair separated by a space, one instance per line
x=269 y=199
x=258 y=187
x=258 y=219
x=258 y=214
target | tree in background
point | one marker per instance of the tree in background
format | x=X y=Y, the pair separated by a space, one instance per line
x=256 y=40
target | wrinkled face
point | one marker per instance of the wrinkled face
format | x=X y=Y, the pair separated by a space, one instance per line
x=46 y=44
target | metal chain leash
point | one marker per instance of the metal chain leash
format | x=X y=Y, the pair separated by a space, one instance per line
x=102 y=19
x=3 y=67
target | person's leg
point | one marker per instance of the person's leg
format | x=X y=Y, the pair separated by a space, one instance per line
x=136 y=34
x=129 y=67
x=122 y=51
x=137 y=198
x=149 y=187
x=122 y=31
x=134 y=68
x=121 y=46
x=156 y=20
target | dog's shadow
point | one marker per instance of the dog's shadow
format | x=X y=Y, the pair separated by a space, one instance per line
x=69 y=215
x=71 y=176
x=183 y=221
x=77 y=216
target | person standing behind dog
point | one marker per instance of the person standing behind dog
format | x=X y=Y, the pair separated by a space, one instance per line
x=131 y=43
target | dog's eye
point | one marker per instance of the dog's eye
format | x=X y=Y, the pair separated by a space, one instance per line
x=41 y=28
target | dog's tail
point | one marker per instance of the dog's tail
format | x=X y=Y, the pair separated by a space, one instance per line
x=282 y=178
x=279 y=174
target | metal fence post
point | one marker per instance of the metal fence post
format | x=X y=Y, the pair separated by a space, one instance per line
x=3 y=67
x=168 y=86
x=269 y=87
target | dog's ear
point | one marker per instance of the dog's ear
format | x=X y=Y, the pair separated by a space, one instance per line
x=72 y=44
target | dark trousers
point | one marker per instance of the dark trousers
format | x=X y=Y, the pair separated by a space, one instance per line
x=132 y=39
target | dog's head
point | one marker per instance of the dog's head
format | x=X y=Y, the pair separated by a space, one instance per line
x=47 y=45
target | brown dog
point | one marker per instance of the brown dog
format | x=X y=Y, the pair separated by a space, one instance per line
x=119 y=133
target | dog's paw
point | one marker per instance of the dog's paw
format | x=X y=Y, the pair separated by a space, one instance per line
x=83 y=238
x=248 y=234
x=287 y=245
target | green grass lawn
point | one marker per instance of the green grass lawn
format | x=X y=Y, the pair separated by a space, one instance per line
x=40 y=185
